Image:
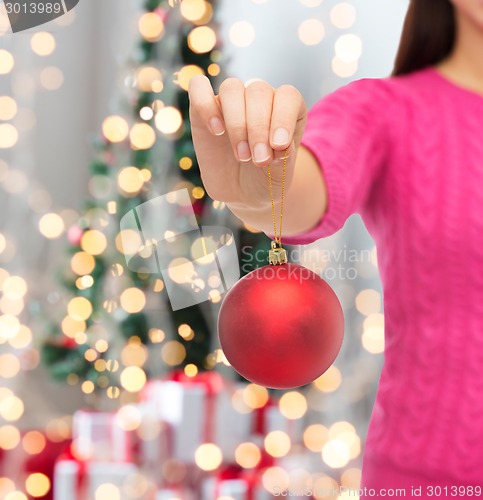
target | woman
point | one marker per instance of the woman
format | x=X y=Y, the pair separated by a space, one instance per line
x=406 y=152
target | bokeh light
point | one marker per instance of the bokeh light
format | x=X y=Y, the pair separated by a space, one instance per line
x=343 y=15
x=248 y=455
x=329 y=381
x=93 y=242
x=373 y=333
x=107 y=491
x=151 y=26
x=368 y=301
x=133 y=300
x=42 y=43
x=184 y=75
x=277 y=443
x=196 y=11
x=208 y=457
x=168 y=120
x=9 y=437
x=130 y=180
x=201 y=39
x=275 y=479
x=37 y=484
x=9 y=366
x=133 y=378
x=142 y=136
x=293 y=405
x=315 y=436
x=14 y=287
x=8 y=107
x=173 y=353
x=51 y=78
x=311 y=31
x=6 y=62
x=348 y=48
x=255 y=396
x=82 y=263
x=344 y=69
x=51 y=226
x=115 y=128
x=33 y=442
x=336 y=453
x=149 y=79
x=79 y=308
x=129 y=418
x=242 y=34
x=8 y=135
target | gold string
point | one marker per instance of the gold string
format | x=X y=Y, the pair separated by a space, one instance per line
x=278 y=239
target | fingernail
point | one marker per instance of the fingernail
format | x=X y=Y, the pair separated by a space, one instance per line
x=261 y=152
x=217 y=126
x=280 y=137
x=243 y=151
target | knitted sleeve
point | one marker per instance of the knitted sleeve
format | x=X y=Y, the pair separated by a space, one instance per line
x=347 y=134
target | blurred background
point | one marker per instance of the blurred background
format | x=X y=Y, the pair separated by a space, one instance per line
x=105 y=391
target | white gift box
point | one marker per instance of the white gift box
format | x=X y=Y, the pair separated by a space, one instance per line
x=175 y=494
x=236 y=489
x=196 y=416
x=97 y=436
x=80 y=481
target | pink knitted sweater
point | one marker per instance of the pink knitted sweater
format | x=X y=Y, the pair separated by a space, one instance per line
x=406 y=153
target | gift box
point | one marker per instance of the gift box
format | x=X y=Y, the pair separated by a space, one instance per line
x=97 y=436
x=198 y=410
x=37 y=453
x=235 y=483
x=78 y=480
x=175 y=494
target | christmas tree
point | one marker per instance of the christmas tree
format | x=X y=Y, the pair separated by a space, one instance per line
x=115 y=316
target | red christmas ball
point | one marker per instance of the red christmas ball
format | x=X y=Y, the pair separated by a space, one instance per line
x=281 y=326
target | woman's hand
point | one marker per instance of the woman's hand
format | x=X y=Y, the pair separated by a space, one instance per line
x=241 y=130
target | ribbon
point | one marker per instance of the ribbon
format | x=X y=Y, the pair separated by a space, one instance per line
x=234 y=472
x=81 y=473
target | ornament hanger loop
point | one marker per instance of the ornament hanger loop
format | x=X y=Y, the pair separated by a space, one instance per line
x=277 y=255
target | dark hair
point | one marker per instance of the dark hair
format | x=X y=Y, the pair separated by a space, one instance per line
x=428 y=35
